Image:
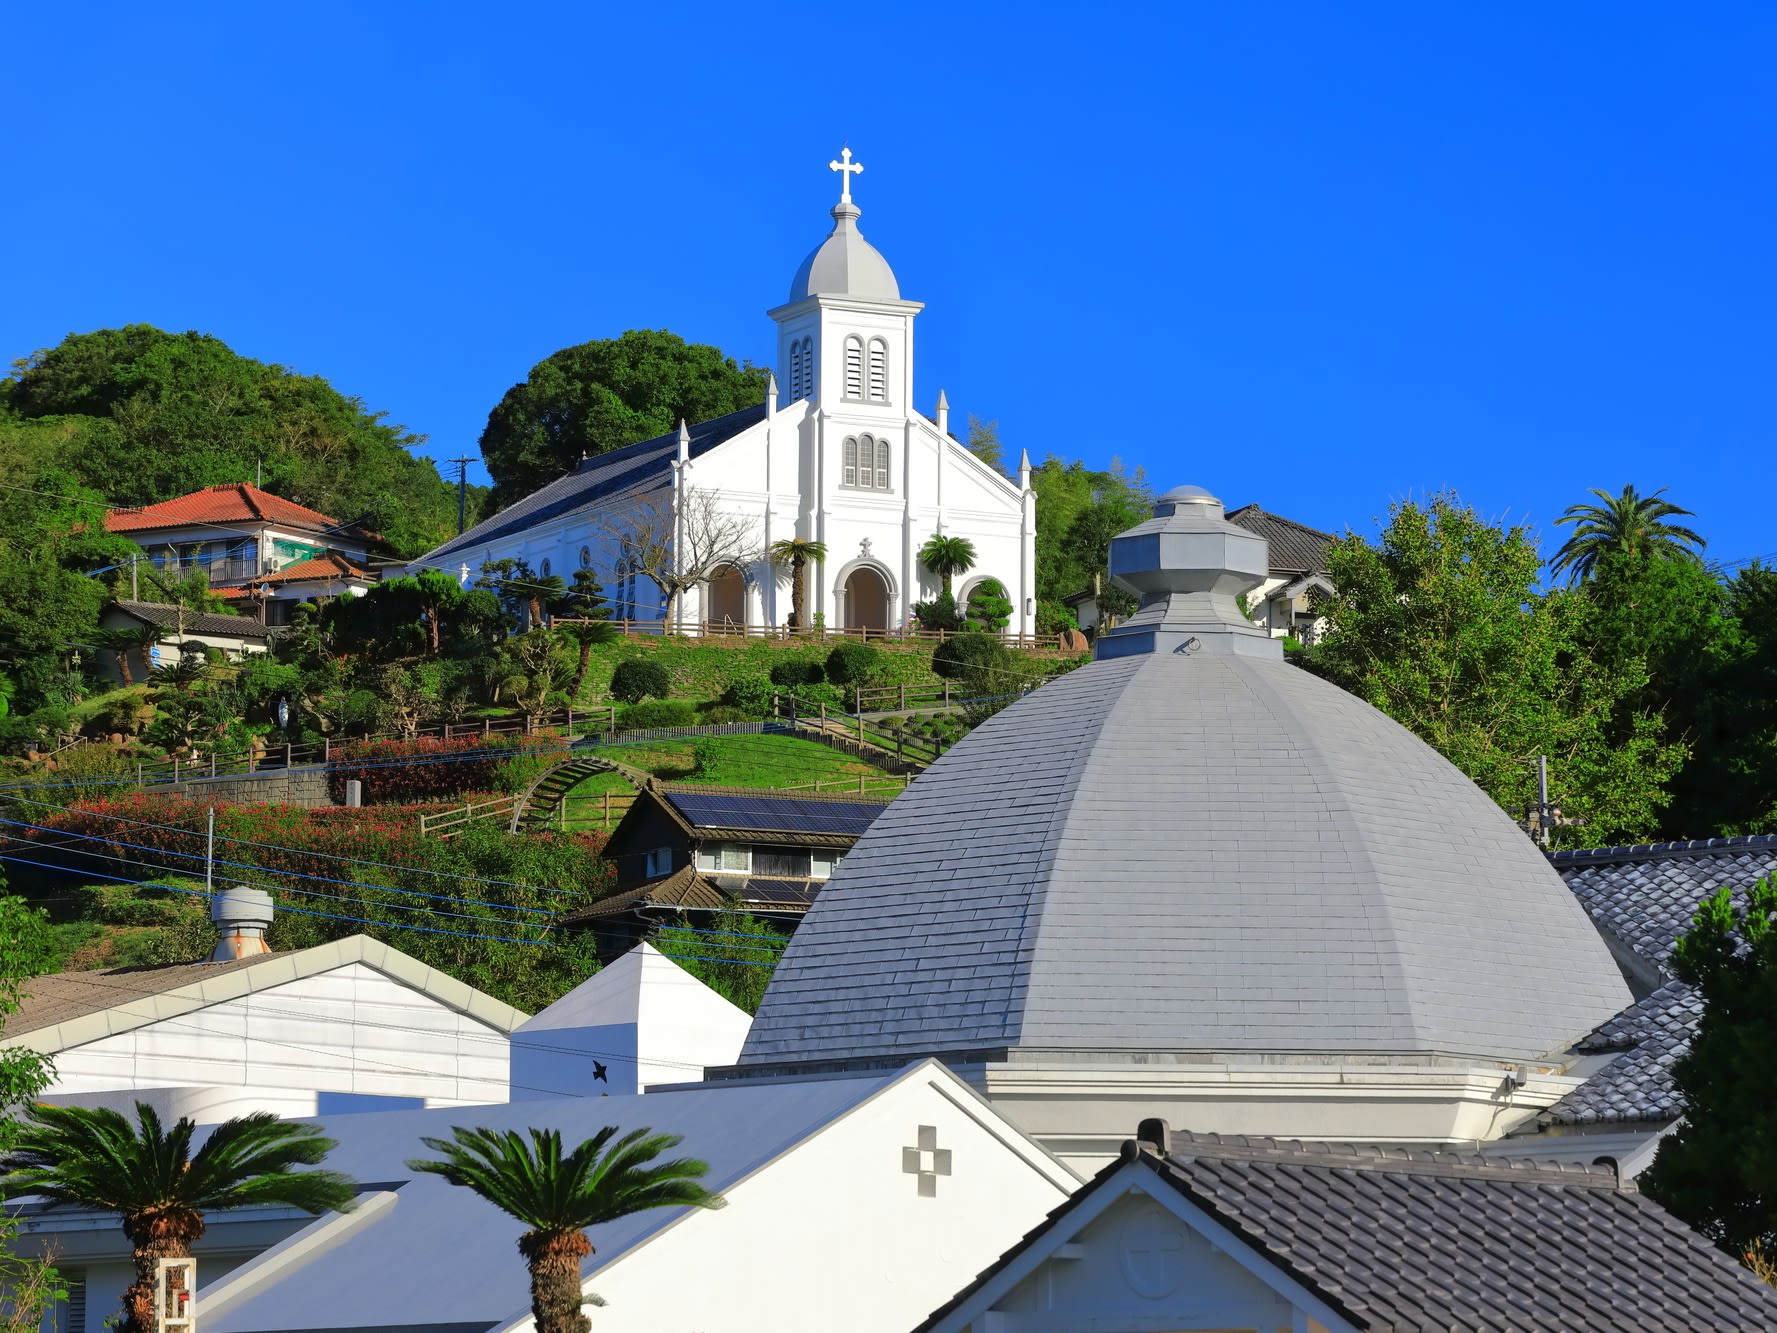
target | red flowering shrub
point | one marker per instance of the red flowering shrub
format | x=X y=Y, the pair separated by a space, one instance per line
x=430 y=768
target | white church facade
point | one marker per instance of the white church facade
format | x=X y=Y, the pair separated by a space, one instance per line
x=836 y=454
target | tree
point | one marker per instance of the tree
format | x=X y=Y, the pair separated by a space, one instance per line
x=534 y=672
x=598 y=396
x=123 y=642
x=1079 y=510
x=91 y=1157
x=1718 y=1169
x=1630 y=523
x=947 y=556
x=678 y=539
x=558 y=1197
x=989 y=607
x=798 y=554
x=984 y=442
x=637 y=678
x=27 y=1286
x=141 y=415
x=587 y=614
x=1439 y=624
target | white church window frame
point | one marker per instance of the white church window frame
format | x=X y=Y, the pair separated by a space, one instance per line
x=866 y=464
x=877 y=383
x=882 y=465
x=854 y=368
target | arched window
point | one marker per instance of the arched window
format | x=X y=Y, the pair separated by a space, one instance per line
x=854 y=367
x=866 y=464
x=878 y=371
x=586 y=557
x=546 y=569
x=801 y=368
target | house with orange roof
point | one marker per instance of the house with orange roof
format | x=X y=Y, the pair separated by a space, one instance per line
x=261 y=552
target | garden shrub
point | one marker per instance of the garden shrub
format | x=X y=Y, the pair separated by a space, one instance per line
x=1055 y=617
x=637 y=678
x=989 y=606
x=658 y=713
x=465 y=764
x=749 y=692
x=798 y=671
x=971 y=653
x=938 y=614
x=722 y=714
x=851 y=663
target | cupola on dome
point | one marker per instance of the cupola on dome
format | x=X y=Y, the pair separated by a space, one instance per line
x=845 y=264
x=1189 y=848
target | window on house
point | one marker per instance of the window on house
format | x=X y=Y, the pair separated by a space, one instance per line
x=780 y=861
x=854 y=368
x=658 y=862
x=878 y=371
x=734 y=858
x=822 y=865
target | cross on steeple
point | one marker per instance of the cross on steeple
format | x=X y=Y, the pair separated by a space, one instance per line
x=849 y=168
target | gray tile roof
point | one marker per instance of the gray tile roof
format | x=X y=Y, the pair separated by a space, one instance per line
x=197 y=623
x=635 y=467
x=1643 y=898
x=60 y=996
x=1296 y=548
x=1401 y=1240
x=1188 y=853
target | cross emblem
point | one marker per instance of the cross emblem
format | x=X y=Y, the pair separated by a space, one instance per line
x=849 y=168
x=928 y=1161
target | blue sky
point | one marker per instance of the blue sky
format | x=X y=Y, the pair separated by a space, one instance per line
x=1314 y=256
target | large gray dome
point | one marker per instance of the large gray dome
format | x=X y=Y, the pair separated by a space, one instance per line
x=1192 y=847
x=845 y=264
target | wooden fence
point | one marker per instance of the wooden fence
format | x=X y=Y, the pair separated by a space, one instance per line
x=887 y=638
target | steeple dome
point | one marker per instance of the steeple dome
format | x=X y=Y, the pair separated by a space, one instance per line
x=845 y=264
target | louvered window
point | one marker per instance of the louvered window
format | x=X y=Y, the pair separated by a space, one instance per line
x=854 y=367
x=882 y=465
x=851 y=462
x=801 y=368
x=878 y=371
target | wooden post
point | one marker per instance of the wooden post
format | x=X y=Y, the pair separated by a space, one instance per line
x=175 y=769
x=607 y=821
x=903 y=696
x=486 y=728
x=212 y=763
x=860 y=784
x=860 y=726
x=138 y=772
x=289 y=760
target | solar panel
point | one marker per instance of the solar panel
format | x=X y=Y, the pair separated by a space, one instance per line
x=776 y=814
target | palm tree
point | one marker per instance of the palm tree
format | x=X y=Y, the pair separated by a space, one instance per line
x=947 y=557
x=1629 y=524
x=559 y=1197
x=798 y=555
x=92 y=1157
x=123 y=642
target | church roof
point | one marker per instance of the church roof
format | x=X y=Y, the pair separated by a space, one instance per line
x=1193 y=847
x=845 y=264
x=634 y=468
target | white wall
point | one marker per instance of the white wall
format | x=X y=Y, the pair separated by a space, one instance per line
x=348 y=1030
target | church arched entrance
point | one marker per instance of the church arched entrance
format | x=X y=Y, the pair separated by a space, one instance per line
x=866 y=600
x=727 y=599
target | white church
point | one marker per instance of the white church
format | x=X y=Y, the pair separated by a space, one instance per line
x=836 y=454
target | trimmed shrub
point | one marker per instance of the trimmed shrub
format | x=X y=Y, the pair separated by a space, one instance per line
x=969 y=653
x=722 y=714
x=797 y=671
x=750 y=696
x=637 y=678
x=851 y=663
x=938 y=614
x=658 y=713
x=989 y=606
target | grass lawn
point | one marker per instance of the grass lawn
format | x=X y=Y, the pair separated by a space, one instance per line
x=729 y=761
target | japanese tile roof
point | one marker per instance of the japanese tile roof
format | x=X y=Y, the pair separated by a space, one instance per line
x=56 y=998
x=634 y=468
x=690 y=889
x=231 y=503
x=331 y=565
x=196 y=623
x=1408 y=1240
x=1296 y=548
x=1643 y=899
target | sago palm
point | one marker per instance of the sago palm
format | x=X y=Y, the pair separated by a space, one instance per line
x=1628 y=524
x=160 y=1189
x=798 y=555
x=558 y=1197
x=947 y=557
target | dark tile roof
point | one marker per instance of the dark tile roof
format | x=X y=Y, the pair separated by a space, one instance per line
x=1407 y=1240
x=1643 y=898
x=1296 y=548
x=196 y=623
x=62 y=996
x=633 y=467
x=738 y=810
x=688 y=889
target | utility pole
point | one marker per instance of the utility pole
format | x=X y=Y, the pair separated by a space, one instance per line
x=462 y=484
x=135 y=593
x=210 y=855
x=1542 y=801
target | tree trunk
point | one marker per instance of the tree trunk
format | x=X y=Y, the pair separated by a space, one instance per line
x=581 y=670
x=798 y=590
x=157 y=1236
x=556 y=1298
x=123 y=665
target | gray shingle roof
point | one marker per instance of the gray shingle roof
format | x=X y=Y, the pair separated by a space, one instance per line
x=60 y=996
x=197 y=623
x=635 y=467
x=1403 y=1240
x=1296 y=548
x=1176 y=852
x=1644 y=898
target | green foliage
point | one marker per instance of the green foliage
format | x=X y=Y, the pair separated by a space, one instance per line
x=798 y=671
x=1055 y=616
x=1439 y=624
x=734 y=955
x=1718 y=1169
x=1079 y=510
x=750 y=694
x=947 y=557
x=142 y=415
x=637 y=679
x=796 y=554
x=557 y=1196
x=601 y=395
x=940 y=613
x=658 y=713
x=984 y=442
x=1629 y=524
x=852 y=663
x=989 y=607
x=27 y=949
x=977 y=654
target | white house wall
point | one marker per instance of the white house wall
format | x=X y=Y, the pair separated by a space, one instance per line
x=347 y=1030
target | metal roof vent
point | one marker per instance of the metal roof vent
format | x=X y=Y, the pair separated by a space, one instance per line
x=242 y=916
